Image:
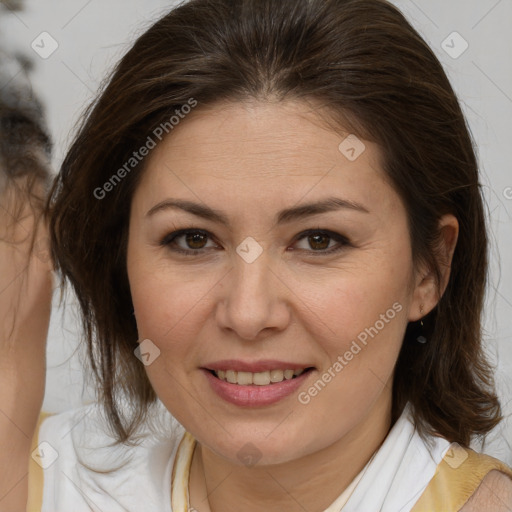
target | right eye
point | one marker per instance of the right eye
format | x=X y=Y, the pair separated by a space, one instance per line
x=195 y=240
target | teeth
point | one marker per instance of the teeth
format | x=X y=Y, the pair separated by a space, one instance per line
x=259 y=378
x=288 y=374
x=231 y=376
x=244 y=378
x=276 y=375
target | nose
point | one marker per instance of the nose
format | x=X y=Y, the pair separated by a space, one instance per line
x=254 y=299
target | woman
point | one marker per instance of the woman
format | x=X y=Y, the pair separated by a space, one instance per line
x=273 y=223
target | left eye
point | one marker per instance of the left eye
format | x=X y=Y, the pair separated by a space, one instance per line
x=320 y=240
x=195 y=240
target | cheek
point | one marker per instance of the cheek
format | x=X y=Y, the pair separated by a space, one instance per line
x=362 y=328
x=360 y=319
x=345 y=303
x=171 y=308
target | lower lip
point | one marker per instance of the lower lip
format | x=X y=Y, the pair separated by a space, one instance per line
x=255 y=396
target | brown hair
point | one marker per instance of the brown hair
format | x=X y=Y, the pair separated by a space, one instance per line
x=378 y=77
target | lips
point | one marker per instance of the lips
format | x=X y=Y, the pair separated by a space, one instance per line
x=256 y=384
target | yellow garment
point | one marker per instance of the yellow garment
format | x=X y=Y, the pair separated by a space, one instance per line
x=35 y=473
x=456 y=479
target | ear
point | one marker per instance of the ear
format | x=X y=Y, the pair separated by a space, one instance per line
x=426 y=293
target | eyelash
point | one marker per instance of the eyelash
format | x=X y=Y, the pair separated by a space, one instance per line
x=169 y=239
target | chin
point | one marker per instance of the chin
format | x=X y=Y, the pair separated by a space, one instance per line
x=258 y=448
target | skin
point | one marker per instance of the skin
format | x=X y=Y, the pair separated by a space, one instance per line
x=493 y=494
x=25 y=303
x=294 y=302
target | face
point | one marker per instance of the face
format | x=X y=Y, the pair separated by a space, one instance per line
x=257 y=245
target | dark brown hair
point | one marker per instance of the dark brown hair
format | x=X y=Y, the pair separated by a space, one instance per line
x=378 y=78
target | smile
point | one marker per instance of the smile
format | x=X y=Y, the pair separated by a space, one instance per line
x=258 y=379
x=256 y=389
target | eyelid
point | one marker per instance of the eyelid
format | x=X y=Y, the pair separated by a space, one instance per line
x=167 y=239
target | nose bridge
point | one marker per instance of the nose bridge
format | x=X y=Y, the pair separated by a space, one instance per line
x=252 y=302
x=251 y=281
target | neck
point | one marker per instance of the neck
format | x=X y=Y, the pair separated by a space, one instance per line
x=310 y=483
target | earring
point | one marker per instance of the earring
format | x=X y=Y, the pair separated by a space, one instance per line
x=421 y=338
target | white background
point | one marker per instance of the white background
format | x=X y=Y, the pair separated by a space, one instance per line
x=92 y=35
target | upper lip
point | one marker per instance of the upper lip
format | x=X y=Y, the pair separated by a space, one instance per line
x=254 y=366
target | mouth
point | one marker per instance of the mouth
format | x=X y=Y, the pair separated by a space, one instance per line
x=256 y=383
x=264 y=378
x=268 y=383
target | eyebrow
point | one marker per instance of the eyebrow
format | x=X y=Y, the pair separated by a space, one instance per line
x=285 y=216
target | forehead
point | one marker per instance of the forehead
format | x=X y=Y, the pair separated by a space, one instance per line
x=262 y=151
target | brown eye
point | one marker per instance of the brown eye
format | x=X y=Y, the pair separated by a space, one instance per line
x=192 y=243
x=319 y=241
x=195 y=240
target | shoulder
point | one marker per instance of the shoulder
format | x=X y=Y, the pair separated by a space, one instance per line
x=468 y=481
x=494 y=494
